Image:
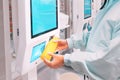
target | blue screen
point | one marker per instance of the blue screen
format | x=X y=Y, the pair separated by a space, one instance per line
x=37 y=51
x=87 y=9
x=43 y=16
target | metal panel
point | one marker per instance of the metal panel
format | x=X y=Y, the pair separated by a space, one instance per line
x=5 y=69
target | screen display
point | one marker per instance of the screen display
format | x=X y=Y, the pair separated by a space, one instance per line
x=43 y=16
x=37 y=51
x=87 y=9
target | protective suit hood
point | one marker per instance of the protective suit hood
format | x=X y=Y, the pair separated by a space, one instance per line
x=110 y=2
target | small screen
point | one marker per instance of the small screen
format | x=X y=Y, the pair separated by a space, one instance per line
x=87 y=9
x=43 y=16
x=37 y=51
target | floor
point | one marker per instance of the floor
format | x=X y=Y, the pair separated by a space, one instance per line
x=58 y=74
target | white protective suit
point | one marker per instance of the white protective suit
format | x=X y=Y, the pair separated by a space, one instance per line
x=101 y=58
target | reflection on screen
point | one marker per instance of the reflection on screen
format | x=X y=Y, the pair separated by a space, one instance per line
x=87 y=8
x=43 y=16
x=37 y=51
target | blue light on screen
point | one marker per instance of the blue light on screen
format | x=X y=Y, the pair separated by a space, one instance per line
x=43 y=16
x=87 y=9
x=37 y=51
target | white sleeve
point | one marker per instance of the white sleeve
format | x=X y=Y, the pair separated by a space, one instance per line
x=78 y=61
x=69 y=59
x=78 y=40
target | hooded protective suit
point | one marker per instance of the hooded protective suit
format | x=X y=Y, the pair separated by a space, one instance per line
x=101 y=58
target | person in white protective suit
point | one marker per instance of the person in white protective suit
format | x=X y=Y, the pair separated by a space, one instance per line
x=101 y=58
